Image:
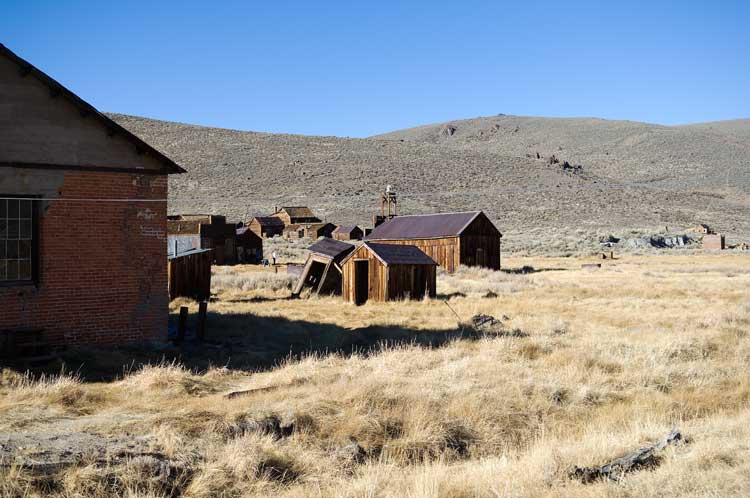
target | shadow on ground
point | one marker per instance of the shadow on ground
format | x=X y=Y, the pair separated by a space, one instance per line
x=248 y=342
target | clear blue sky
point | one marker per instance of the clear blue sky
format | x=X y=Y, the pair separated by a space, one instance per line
x=356 y=68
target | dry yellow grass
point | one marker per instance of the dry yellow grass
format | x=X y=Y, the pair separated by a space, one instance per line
x=613 y=358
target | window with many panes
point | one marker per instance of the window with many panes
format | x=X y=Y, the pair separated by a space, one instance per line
x=17 y=240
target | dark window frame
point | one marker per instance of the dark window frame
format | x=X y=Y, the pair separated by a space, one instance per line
x=35 y=235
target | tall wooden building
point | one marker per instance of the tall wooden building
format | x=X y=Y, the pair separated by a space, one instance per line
x=387 y=272
x=451 y=239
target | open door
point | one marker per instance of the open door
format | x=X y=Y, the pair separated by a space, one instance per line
x=361 y=281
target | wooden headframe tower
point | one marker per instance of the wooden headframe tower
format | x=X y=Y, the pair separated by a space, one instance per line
x=388 y=206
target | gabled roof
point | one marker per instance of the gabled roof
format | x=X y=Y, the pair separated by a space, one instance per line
x=87 y=109
x=331 y=248
x=345 y=229
x=268 y=220
x=297 y=211
x=424 y=226
x=392 y=254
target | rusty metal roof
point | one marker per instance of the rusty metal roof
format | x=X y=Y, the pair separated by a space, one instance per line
x=331 y=248
x=423 y=226
x=391 y=254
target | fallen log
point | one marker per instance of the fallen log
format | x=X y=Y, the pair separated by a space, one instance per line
x=641 y=459
x=237 y=394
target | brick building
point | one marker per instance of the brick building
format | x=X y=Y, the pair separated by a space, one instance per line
x=82 y=218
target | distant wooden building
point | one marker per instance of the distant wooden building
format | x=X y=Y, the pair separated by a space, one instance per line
x=249 y=246
x=295 y=215
x=212 y=232
x=451 y=239
x=309 y=230
x=266 y=226
x=387 y=272
x=322 y=270
x=347 y=233
x=189 y=274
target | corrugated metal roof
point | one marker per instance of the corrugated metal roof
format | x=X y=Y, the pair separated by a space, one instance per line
x=330 y=247
x=392 y=254
x=423 y=226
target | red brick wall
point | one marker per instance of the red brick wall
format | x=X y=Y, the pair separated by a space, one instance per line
x=103 y=265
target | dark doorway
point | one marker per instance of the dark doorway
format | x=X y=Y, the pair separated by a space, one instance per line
x=480 y=258
x=361 y=281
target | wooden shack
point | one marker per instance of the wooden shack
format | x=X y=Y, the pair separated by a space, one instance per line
x=387 y=272
x=451 y=239
x=322 y=270
x=343 y=232
x=189 y=274
x=211 y=230
x=295 y=215
x=266 y=226
x=308 y=230
x=249 y=246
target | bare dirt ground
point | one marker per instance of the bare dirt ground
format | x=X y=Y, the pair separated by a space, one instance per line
x=400 y=399
x=633 y=177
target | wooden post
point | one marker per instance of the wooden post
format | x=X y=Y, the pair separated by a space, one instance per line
x=202 y=309
x=182 y=324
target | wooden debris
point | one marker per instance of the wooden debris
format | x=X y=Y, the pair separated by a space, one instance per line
x=641 y=459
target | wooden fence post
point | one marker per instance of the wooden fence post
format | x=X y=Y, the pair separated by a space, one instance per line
x=182 y=324
x=202 y=309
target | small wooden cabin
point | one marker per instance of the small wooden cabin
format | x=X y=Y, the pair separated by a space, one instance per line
x=309 y=230
x=347 y=233
x=451 y=239
x=189 y=274
x=295 y=215
x=249 y=246
x=266 y=226
x=387 y=272
x=322 y=270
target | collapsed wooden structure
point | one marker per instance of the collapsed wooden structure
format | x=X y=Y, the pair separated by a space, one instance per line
x=189 y=274
x=322 y=270
x=387 y=272
x=451 y=239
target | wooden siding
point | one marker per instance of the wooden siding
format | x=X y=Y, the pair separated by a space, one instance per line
x=445 y=251
x=377 y=274
x=411 y=281
x=480 y=244
x=190 y=275
x=387 y=283
x=265 y=231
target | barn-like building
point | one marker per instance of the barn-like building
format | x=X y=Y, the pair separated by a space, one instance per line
x=451 y=239
x=83 y=219
x=344 y=232
x=266 y=226
x=387 y=272
x=295 y=215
